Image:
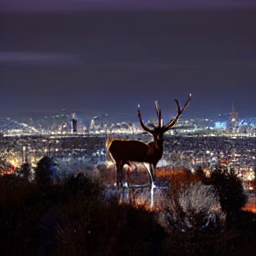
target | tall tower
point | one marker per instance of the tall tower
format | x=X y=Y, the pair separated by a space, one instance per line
x=233 y=118
x=74 y=123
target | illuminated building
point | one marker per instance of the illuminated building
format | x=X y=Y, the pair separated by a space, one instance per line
x=233 y=124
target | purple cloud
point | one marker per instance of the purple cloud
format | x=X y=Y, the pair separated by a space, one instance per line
x=37 y=58
x=74 y=5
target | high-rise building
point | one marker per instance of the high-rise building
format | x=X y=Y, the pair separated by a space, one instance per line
x=234 y=120
x=74 y=123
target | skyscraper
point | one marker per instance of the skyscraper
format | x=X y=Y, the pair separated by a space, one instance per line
x=233 y=123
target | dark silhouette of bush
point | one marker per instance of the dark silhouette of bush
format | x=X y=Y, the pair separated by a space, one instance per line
x=81 y=186
x=191 y=206
x=24 y=171
x=75 y=220
x=45 y=171
x=21 y=206
x=229 y=189
x=15 y=192
x=91 y=228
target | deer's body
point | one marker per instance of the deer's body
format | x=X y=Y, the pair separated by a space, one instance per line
x=125 y=151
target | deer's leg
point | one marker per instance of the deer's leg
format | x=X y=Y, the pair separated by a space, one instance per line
x=119 y=175
x=153 y=173
x=151 y=170
x=128 y=172
x=129 y=181
x=120 y=179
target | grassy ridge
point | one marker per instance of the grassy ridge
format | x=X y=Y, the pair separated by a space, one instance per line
x=73 y=217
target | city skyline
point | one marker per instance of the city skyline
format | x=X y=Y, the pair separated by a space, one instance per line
x=108 y=58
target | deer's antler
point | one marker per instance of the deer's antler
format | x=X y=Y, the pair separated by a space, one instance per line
x=160 y=124
x=173 y=121
x=142 y=123
x=159 y=114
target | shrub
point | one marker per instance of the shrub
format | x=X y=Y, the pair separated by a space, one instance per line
x=191 y=206
x=45 y=171
x=21 y=207
x=15 y=192
x=229 y=189
x=105 y=229
x=82 y=186
x=24 y=171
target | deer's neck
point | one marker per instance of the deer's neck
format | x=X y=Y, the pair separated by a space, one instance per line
x=156 y=150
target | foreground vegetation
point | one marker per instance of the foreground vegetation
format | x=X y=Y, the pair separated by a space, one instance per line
x=73 y=216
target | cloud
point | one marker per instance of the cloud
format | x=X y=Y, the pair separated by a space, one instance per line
x=194 y=64
x=77 y=5
x=48 y=59
x=37 y=58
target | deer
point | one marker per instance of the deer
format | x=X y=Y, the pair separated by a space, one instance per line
x=127 y=151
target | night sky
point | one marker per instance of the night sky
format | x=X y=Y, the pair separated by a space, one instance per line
x=96 y=57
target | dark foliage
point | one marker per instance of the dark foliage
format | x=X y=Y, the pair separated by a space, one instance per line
x=107 y=229
x=24 y=171
x=229 y=189
x=80 y=186
x=45 y=171
x=70 y=217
